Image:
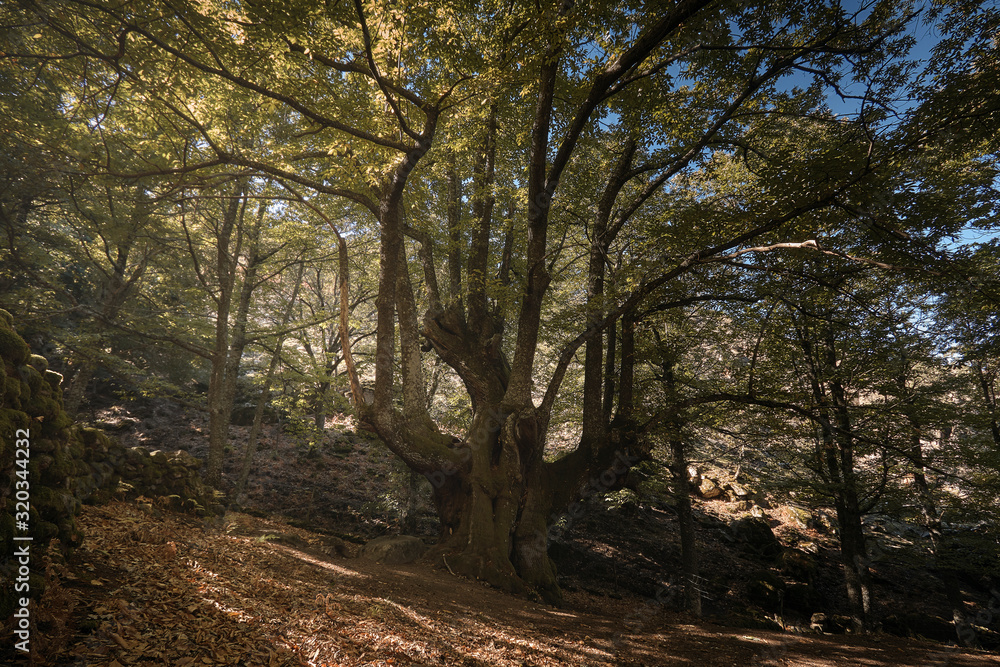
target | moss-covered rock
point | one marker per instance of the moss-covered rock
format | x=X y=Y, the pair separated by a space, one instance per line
x=44 y=445
x=47 y=408
x=57 y=425
x=12 y=392
x=13 y=349
x=10 y=421
x=31 y=377
x=45 y=531
x=70 y=464
x=38 y=362
x=93 y=436
x=53 y=379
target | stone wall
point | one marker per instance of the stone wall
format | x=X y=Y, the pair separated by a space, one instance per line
x=32 y=401
x=71 y=464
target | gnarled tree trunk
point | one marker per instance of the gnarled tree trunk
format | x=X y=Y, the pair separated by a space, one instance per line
x=495 y=495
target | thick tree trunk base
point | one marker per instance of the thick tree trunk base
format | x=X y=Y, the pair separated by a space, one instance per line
x=496 y=570
x=498 y=546
x=493 y=568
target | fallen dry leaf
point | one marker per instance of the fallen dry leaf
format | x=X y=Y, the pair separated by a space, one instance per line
x=234 y=600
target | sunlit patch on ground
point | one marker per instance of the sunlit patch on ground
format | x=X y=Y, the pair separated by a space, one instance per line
x=168 y=591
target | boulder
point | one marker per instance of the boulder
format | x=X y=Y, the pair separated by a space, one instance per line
x=394 y=549
x=798 y=565
x=756 y=536
x=739 y=491
x=38 y=362
x=333 y=545
x=708 y=489
x=694 y=475
x=801 y=517
x=830 y=623
x=809 y=547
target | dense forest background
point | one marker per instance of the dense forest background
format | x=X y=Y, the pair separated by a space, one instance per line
x=542 y=251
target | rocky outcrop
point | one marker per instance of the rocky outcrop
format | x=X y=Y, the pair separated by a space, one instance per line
x=766 y=590
x=830 y=623
x=708 y=489
x=755 y=536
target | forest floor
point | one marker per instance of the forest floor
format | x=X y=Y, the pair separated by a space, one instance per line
x=155 y=588
x=264 y=587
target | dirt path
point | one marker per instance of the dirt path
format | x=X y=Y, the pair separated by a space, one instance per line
x=162 y=589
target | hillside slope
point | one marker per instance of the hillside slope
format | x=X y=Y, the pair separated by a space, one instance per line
x=154 y=588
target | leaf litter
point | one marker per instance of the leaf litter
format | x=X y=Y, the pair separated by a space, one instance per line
x=158 y=588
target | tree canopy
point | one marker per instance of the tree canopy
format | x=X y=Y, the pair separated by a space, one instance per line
x=604 y=227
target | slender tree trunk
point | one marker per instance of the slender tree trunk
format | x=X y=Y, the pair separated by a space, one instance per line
x=594 y=420
x=238 y=341
x=343 y=321
x=455 y=240
x=685 y=519
x=932 y=523
x=836 y=456
x=323 y=391
x=852 y=536
x=675 y=422
x=986 y=385
x=218 y=417
x=265 y=392
x=607 y=408
x=77 y=388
